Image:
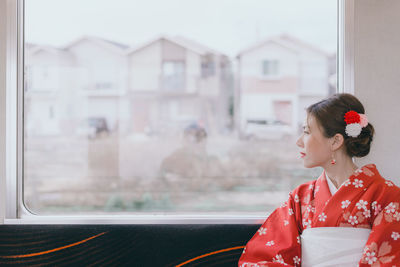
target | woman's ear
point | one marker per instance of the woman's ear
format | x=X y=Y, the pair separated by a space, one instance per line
x=337 y=142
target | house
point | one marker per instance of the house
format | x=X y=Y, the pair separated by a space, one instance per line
x=48 y=79
x=102 y=80
x=175 y=82
x=277 y=79
x=65 y=87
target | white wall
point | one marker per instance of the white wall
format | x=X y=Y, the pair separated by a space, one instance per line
x=142 y=64
x=43 y=62
x=251 y=62
x=103 y=65
x=377 y=78
x=193 y=71
x=3 y=8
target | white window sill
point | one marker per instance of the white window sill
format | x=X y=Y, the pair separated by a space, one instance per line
x=140 y=219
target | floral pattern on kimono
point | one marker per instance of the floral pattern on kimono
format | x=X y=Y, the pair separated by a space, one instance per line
x=365 y=200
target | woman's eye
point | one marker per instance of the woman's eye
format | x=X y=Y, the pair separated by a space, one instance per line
x=305 y=132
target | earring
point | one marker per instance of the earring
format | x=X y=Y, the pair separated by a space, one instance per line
x=333 y=161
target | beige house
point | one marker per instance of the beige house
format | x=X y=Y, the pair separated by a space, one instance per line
x=277 y=79
x=175 y=82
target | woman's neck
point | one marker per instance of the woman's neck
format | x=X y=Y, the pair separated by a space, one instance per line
x=341 y=171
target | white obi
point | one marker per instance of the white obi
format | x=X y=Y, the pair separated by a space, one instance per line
x=333 y=246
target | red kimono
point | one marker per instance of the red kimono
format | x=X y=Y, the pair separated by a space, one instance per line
x=365 y=200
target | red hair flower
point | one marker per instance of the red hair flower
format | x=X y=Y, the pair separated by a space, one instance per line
x=354 y=123
x=352 y=117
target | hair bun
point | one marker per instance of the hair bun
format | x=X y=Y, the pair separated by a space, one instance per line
x=337 y=112
x=361 y=145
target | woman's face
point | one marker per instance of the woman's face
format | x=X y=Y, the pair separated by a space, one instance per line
x=314 y=146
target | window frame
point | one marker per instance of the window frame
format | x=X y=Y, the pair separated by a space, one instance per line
x=15 y=211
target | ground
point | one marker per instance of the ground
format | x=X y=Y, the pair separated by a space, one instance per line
x=159 y=174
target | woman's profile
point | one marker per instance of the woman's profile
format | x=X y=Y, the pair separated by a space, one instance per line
x=349 y=216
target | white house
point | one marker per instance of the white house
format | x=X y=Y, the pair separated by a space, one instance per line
x=277 y=79
x=103 y=80
x=49 y=86
x=67 y=86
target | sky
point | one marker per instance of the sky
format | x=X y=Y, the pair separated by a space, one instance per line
x=228 y=26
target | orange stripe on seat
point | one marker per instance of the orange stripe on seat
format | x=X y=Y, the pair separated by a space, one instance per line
x=209 y=254
x=51 y=250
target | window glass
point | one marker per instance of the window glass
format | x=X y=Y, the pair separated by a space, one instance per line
x=270 y=68
x=163 y=106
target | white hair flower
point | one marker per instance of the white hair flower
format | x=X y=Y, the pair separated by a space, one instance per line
x=353 y=129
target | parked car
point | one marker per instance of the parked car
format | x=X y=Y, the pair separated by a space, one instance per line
x=266 y=129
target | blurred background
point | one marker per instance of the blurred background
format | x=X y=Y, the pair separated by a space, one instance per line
x=171 y=106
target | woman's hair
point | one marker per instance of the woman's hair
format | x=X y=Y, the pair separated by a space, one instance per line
x=329 y=114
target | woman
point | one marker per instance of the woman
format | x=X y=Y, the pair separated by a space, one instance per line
x=349 y=216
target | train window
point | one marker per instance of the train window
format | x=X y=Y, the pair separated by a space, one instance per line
x=163 y=106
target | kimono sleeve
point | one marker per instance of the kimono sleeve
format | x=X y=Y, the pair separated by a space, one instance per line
x=277 y=241
x=383 y=245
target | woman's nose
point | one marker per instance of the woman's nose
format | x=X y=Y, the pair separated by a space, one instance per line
x=299 y=142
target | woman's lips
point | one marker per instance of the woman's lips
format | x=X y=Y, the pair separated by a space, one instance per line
x=302 y=155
